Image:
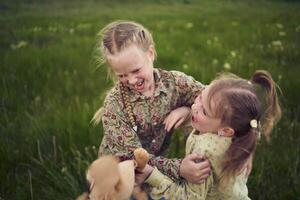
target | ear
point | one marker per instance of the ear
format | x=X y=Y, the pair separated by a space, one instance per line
x=226 y=131
x=151 y=53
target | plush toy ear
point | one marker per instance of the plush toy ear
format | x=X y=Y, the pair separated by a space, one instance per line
x=103 y=174
x=141 y=157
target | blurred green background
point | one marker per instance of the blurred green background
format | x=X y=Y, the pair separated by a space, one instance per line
x=50 y=87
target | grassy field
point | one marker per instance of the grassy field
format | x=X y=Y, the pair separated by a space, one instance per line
x=50 y=87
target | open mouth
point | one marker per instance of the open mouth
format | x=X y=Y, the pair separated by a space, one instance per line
x=139 y=85
x=193 y=119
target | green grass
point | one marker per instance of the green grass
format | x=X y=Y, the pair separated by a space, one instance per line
x=50 y=87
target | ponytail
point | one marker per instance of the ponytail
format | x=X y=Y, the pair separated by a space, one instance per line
x=241 y=148
x=272 y=112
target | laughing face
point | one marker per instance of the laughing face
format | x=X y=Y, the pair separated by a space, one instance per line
x=134 y=68
x=203 y=118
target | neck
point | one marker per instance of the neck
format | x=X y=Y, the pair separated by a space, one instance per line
x=150 y=90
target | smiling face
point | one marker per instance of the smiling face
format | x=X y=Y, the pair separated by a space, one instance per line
x=203 y=118
x=134 y=68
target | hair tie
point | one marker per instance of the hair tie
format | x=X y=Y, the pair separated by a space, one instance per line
x=254 y=123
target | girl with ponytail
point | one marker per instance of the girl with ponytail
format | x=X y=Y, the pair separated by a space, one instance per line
x=228 y=116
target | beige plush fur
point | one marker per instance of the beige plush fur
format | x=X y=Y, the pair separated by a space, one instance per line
x=113 y=180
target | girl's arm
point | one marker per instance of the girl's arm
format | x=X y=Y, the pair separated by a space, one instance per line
x=163 y=186
x=187 y=87
x=120 y=139
x=177 y=117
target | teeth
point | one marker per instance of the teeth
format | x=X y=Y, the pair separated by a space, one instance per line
x=140 y=83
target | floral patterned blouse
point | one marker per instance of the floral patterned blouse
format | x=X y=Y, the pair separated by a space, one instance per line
x=173 y=89
x=214 y=148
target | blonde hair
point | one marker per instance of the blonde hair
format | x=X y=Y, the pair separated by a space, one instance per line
x=114 y=38
x=118 y=35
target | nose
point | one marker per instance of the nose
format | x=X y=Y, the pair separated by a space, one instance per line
x=193 y=107
x=131 y=79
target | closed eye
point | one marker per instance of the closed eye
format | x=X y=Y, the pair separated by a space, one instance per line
x=135 y=71
x=204 y=111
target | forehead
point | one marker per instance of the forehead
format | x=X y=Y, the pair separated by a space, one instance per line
x=208 y=100
x=126 y=60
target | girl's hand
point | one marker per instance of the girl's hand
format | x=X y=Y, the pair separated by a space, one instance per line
x=176 y=117
x=140 y=177
x=195 y=168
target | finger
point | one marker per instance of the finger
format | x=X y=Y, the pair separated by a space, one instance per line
x=204 y=177
x=166 y=122
x=204 y=165
x=205 y=171
x=178 y=123
x=200 y=181
x=195 y=157
x=171 y=123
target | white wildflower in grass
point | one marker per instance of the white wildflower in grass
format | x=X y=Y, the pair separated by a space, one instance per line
x=37 y=99
x=277 y=45
x=19 y=45
x=64 y=170
x=52 y=29
x=280 y=26
x=71 y=30
x=298 y=28
x=37 y=29
x=189 y=25
x=282 y=33
x=227 y=66
x=84 y=26
x=75 y=72
x=215 y=61
x=216 y=39
x=185 y=66
x=233 y=54
x=234 y=23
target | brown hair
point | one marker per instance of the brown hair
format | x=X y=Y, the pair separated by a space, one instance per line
x=116 y=36
x=239 y=101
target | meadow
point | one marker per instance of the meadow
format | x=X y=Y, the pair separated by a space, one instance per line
x=51 y=86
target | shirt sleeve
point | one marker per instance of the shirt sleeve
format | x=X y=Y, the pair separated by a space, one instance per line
x=163 y=186
x=121 y=140
x=187 y=87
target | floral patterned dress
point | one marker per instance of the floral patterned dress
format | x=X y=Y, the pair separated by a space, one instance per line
x=173 y=89
x=214 y=148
